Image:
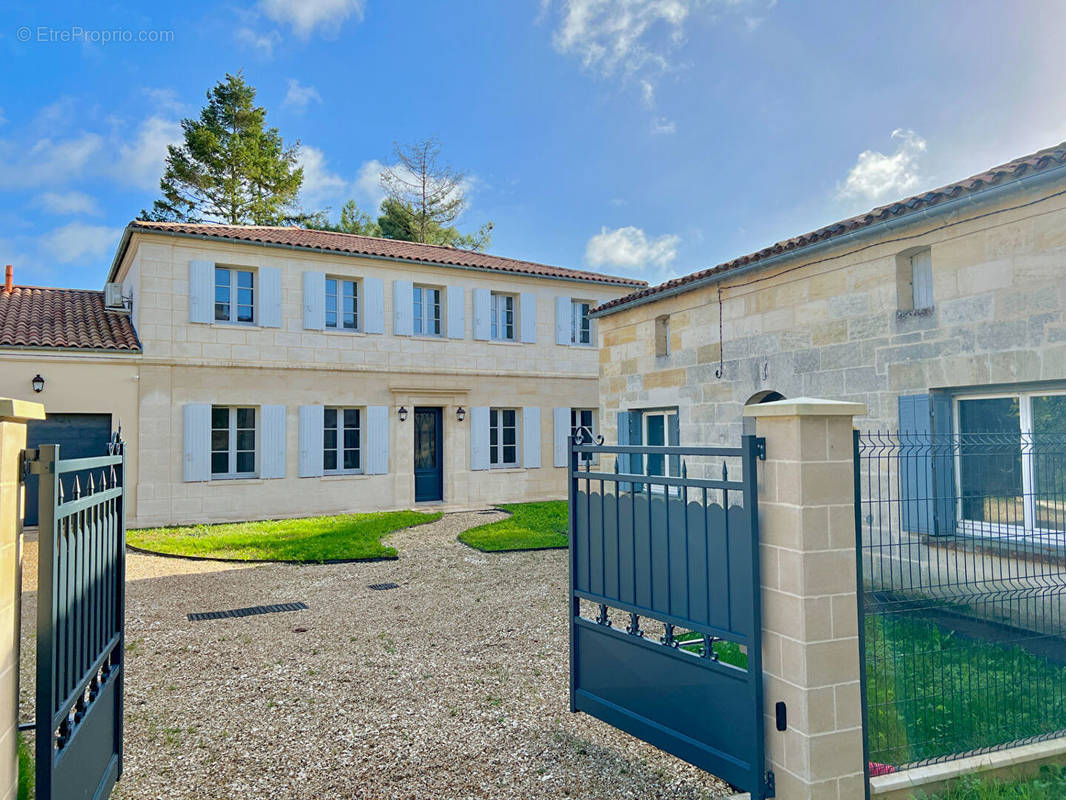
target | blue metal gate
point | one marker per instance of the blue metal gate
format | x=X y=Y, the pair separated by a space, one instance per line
x=81 y=602
x=665 y=627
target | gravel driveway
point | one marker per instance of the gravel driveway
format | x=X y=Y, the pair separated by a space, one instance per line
x=452 y=686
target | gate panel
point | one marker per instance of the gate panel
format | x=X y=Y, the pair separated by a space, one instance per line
x=665 y=605
x=80 y=623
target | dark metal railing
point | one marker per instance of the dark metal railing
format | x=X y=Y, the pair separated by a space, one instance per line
x=962 y=556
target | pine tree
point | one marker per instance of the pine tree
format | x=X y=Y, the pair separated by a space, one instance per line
x=230 y=168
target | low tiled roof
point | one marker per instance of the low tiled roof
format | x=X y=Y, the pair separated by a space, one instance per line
x=32 y=316
x=1039 y=161
x=352 y=244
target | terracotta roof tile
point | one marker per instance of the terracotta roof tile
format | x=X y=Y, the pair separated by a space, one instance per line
x=1013 y=170
x=352 y=244
x=32 y=316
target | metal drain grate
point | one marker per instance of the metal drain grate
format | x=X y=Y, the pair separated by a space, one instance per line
x=380 y=587
x=247 y=612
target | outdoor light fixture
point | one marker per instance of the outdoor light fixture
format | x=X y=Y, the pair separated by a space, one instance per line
x=37 y=383
x=403 y=414
x=460 y=413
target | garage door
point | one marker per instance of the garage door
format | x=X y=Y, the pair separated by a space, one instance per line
x=78 y=436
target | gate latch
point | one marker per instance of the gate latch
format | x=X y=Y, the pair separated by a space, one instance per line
x=760 y=447
x=769 y=787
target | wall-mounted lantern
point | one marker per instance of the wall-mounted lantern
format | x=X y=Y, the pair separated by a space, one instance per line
x=37 y=383
x=403 y=413
x=460 y=413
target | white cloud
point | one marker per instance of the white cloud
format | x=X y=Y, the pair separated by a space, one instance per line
x=630 y=248
x=299 y=97
x=68 y=202
x=876 y=175
x=47 y=162
x=321 y=187
x=663 y=125
x=76 y=241
x=263 y=42
x=165 y=101
x=305 y=16
x=141 y=160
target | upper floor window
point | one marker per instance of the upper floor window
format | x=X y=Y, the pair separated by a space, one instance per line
x=914 y=280
x=580 y=324
x=503 y=317
x=232 y=442
x=234 y=295
x=662 y=335
x=342 y=304
x=426 y=311
x=503 y=437
x=341 y=440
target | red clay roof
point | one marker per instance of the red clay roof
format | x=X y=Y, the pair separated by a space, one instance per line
x=350 y=243
x=1039 y=161
x=32 y=316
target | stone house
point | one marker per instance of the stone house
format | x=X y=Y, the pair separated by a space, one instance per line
x=268 y=372
x=942 y=312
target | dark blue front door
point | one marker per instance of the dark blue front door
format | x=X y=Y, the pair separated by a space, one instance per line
x=429 y=464
x=80 y=436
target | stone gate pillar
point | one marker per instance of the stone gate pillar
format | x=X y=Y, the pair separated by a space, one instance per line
x=809 y=598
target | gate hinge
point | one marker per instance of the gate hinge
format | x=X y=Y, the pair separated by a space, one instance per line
x=769 y=787
x=760 y=447
x=27 y=459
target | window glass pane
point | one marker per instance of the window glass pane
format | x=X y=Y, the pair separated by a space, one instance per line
x=351 y=459
x=990 y=460
x=222 y=311
x=329 y=416
x=244 y=313
x=509 y=417
x=425 y=440
x=244 y=279
x=508 y=436
x=219 y=440
x=219 y=463
x=351 y=417
x=329 y=459
x=219 y=417
x=1049 y=461
x=329 y=438
x=351 y=438
x=245 y=462
x=245 y=417
x=656 y=435
x=221 y=276
x=510 y=454
x=246 y=440
x=418 y=321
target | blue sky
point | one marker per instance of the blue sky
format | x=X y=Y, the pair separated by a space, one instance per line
x=644 y=137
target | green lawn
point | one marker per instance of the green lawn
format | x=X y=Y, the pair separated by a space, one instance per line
x=531 y=526
x=1050 y=784
x=932 y=692
x=313 y=539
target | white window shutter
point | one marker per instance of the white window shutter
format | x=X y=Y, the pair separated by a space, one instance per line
x=373 y=305
x=563 y=323
x=527 y=316
x=311 y=422
x=561 y=417
x=377 y=440
x=272 y=442
x=479 y=437
x=270 y=297
x=201 y=291
x=196 y=435
x=315 y=301
x=482 y=314
x=403 y=308
x=531 y=444
x=455 y=301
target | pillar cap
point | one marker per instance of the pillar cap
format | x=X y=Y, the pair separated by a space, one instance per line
x=19 y=410
x=806 y=407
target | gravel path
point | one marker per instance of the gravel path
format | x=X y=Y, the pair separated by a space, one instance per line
x=452 y=686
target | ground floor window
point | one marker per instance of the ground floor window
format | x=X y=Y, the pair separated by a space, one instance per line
x=341 y=440
x=1011 y=461
x=232 y=442
x=583 y=428
x=657 y=427
x=503 y=437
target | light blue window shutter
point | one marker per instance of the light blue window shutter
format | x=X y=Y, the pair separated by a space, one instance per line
x=527 y=316
x=315 y=301
x=402 y=308
x=272 y=440
x=201 y=291
x=196 y=436
x=479 y=437
x=562 y=320
x=311 y=422
x=456 y=303
x=561 y=436
x=531 y=445
x=373 y=305
x=482 y=314
x=673 y=439
x=916 y=465
x=622 y=461
x=270 y=297
x=943 y=464
x=377 y=440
